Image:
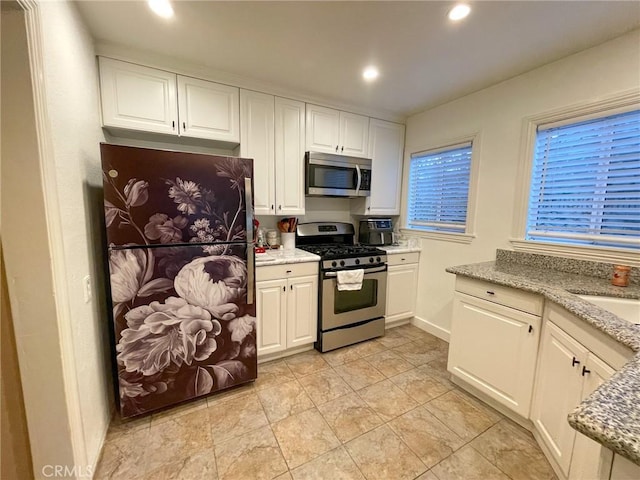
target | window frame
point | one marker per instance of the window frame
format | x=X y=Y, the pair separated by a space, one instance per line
x=618 y=103
x=469 y=231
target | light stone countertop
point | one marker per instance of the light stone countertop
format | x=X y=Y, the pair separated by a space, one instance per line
x=283 y=257
x=611 y=414
x=391 y=249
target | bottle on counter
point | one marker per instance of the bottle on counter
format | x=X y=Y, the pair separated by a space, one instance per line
x=620 y=276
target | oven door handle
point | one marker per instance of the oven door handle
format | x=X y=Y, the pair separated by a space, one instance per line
x=366 y=271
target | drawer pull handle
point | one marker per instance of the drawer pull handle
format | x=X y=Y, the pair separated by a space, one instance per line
x=291 y=287
x=402 y=259
x=288 y=271
x=489 y=292
x=575 y=362
x=585 y=371
x=530 y=328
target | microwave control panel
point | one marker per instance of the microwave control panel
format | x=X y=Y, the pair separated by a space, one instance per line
x=365 y=184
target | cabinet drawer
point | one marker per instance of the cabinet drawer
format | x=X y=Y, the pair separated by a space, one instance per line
x=276 y=272
x=510 y=297
x=402 y=258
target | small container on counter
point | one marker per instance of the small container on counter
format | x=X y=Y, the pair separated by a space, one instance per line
x=620 y=276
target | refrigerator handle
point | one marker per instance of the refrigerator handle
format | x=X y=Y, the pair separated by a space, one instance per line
x=251 y=267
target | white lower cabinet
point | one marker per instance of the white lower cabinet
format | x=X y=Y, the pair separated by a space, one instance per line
x=493 y=348
x=567 y=373
x=402 y=283
x=286 y=307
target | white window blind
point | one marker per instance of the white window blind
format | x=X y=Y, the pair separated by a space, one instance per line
x=585 y=186
x=439 y=189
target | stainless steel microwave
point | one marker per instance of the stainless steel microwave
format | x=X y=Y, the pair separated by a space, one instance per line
x=333 y=175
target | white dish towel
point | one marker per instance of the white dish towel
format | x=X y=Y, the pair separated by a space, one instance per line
x=350 y=279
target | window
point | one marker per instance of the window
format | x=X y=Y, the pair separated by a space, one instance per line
x=439 y=189
x=585 y=182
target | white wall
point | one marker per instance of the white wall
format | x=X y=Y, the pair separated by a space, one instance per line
x=72 y=102
x=26 y=250
x=497 y=113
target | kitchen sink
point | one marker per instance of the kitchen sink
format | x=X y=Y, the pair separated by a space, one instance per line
x=626 y=308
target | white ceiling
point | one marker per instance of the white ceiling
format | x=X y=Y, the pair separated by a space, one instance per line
x=320 y=48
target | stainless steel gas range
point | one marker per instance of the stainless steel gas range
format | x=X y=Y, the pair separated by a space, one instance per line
x=345 y=316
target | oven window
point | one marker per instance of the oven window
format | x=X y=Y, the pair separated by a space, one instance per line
x=349 y=300
x=333 y=177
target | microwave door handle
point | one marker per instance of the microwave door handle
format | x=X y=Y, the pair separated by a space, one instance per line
x=359 y=179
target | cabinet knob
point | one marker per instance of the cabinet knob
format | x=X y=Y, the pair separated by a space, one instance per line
x=575 y=362
x=184 y=126
x=173 y=124
x=279 y=207
x=284 y=289
x=402 y=259
x=530 y=328
x=337 y=147
x=290 y=287
x=272 y=207
x=342 y=149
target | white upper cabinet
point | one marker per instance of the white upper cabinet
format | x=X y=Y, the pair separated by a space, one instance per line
x=155 y=101
x=272 y=134
x=354 y=135
x=138 y=98
x=208 y=110
x=289 y=156
x=333 y=131
x=323 y=129
x=257 y=142
x=386 y=147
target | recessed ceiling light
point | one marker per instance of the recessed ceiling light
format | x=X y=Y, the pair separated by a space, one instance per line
x=370 y=73
x=459 y=12
x=161 y=7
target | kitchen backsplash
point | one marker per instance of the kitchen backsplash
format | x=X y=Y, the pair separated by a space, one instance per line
x=319 y=209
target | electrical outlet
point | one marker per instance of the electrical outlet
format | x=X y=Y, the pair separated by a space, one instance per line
x=86 y=284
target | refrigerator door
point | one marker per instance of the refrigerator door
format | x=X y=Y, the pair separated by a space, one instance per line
x=182 y=325
x=159 y=197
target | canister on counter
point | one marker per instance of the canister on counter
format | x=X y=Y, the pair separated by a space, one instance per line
x=620 y=276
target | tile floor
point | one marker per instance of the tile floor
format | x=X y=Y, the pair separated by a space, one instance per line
x=383 y=409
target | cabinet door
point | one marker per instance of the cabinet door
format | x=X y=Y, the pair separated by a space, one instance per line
x=590 y=459
x=302 y=311
x=256 y=141
x=323 y=129
x=558 y=391
x=354 y=135
x=271 y=316
x=138 y=98
x=494 y=348
x=208 y=110
x=289 y=152
x=402 y=281
x=386 y=147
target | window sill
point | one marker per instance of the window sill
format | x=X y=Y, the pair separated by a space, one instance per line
x=598 y=254
x=465 y=238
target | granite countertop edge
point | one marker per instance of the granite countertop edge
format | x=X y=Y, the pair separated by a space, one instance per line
x=392 y=249
x=611 y=414
x=277 y=257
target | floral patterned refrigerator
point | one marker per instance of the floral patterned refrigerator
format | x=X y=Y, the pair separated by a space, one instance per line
x=181 y=268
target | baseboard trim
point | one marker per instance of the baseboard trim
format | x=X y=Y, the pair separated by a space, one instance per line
x=431 y=328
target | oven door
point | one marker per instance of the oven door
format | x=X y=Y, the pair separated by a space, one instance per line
x=342 y=308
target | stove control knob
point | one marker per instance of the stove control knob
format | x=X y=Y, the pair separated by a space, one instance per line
x=334 y=264
x=357 y=262
x=377 y=259
x=342 y=263
x=371 y=260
